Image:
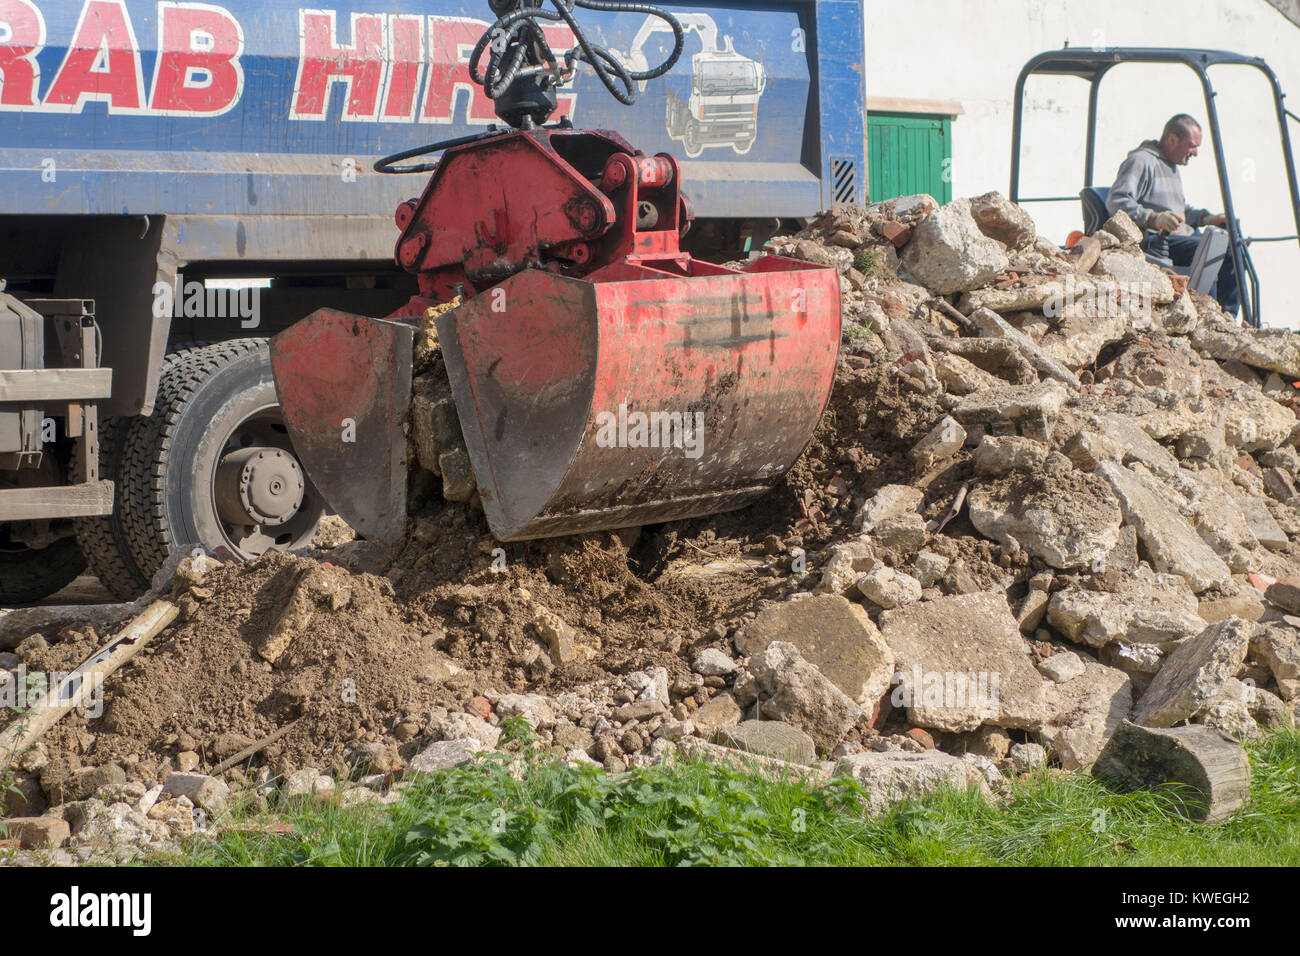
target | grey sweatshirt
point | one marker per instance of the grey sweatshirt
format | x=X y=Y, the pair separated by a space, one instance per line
x=1147 y=183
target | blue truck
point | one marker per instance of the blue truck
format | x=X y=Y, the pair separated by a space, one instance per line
x=181 y=180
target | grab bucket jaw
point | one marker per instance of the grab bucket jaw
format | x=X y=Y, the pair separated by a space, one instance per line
x=344 y=384
x=638 y=395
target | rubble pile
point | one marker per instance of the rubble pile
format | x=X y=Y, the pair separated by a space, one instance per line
x=1054 y=490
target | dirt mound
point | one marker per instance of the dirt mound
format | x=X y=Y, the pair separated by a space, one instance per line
x=203 y=686
x=451 y=616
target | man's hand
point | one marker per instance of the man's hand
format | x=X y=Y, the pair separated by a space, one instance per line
x=1215 y=221
x=1166 y=221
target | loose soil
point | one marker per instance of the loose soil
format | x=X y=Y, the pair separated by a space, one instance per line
x=444 y=602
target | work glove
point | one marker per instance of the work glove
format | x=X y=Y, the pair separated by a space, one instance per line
x=1167 y=221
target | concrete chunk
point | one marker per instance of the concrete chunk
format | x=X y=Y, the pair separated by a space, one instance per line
x=1062 y=667
x=962 y=663
x=1123 y=228
x=894 y=776
x=998 y=455
x=793 y=690
x=1195 y=673
x=833 y=635
x=1084 y=711
x=940 y=443
x=1276 y=350
x=1034 y=407
x=203 y=791
x=1001 y=219
x=1149 y=280
x=1257 y=517
x=993 y=325
x=888 y=588
x=1136 y=445
x=1278 y=648
x=1169 y=539
x=889 y=501
x=36 y=833
x=444 y=755
x=716 y=714
x=1068 y=525
x=948 y=253
x=1022 y=298
x=1160 y=610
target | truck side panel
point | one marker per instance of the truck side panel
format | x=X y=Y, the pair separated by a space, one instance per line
x=277 y=108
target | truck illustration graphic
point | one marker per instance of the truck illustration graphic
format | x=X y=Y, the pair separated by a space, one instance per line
x=722 y=108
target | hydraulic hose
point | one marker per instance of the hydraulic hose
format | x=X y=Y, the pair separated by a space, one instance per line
x=517 y=33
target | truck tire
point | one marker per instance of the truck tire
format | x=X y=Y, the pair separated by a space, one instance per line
x=103 y=538
x=691 y=141
x=213 y=467
x=32 y=574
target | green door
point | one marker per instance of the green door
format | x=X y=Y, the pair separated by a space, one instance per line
x=909 y=154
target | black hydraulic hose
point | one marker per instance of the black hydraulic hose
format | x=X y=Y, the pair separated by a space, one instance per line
x=513 y=33
x=517 y=33
x=387 y=164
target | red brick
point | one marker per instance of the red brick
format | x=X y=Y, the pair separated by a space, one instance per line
x=921 y=736
x=895 y=232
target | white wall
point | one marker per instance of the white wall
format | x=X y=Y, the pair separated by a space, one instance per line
x=972 y=51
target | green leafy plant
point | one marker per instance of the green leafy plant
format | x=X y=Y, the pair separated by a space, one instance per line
x=8 y=781
x=858 y=333
x=473 y=817
x=8 y=784
x=516 y=730
x=866 y=260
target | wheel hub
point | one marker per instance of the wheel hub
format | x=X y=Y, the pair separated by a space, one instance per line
x=260 y=485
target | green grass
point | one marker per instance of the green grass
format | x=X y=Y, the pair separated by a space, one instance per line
x=702 y=814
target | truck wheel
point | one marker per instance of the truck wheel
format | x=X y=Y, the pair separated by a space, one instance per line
x=32 y=574
x=213 y=467
x=103 y=538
